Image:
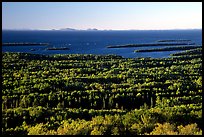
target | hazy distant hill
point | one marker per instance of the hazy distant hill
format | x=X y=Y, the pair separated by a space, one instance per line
x=71 y=29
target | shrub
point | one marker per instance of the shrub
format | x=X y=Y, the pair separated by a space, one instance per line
x=164 y=129
x=190 y=129
x=38 y=129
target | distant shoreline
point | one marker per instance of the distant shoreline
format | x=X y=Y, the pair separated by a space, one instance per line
x=169 y=49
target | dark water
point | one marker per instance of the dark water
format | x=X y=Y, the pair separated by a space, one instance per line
x=95 y=42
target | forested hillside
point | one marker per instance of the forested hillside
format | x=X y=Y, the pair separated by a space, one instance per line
x=101 y=94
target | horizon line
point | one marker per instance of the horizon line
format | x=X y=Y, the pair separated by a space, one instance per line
x=94 y=29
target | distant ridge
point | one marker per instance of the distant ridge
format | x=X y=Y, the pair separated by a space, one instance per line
x=72 y=29
x=67 y=29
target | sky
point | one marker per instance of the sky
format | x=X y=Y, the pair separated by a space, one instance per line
x=102 y=15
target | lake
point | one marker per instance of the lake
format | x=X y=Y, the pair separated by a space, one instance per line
x=95 y=42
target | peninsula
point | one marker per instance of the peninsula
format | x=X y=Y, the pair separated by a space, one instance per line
x=169 y=49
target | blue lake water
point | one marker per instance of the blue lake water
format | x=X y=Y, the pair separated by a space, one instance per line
x=95 y=42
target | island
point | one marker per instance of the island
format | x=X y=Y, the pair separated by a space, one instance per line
x=23 y=44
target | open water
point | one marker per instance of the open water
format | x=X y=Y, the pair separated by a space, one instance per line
x=95 y=42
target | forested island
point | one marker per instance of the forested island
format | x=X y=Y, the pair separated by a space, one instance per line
x=83 y=94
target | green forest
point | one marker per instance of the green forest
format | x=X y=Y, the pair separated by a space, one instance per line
x=84 y=94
